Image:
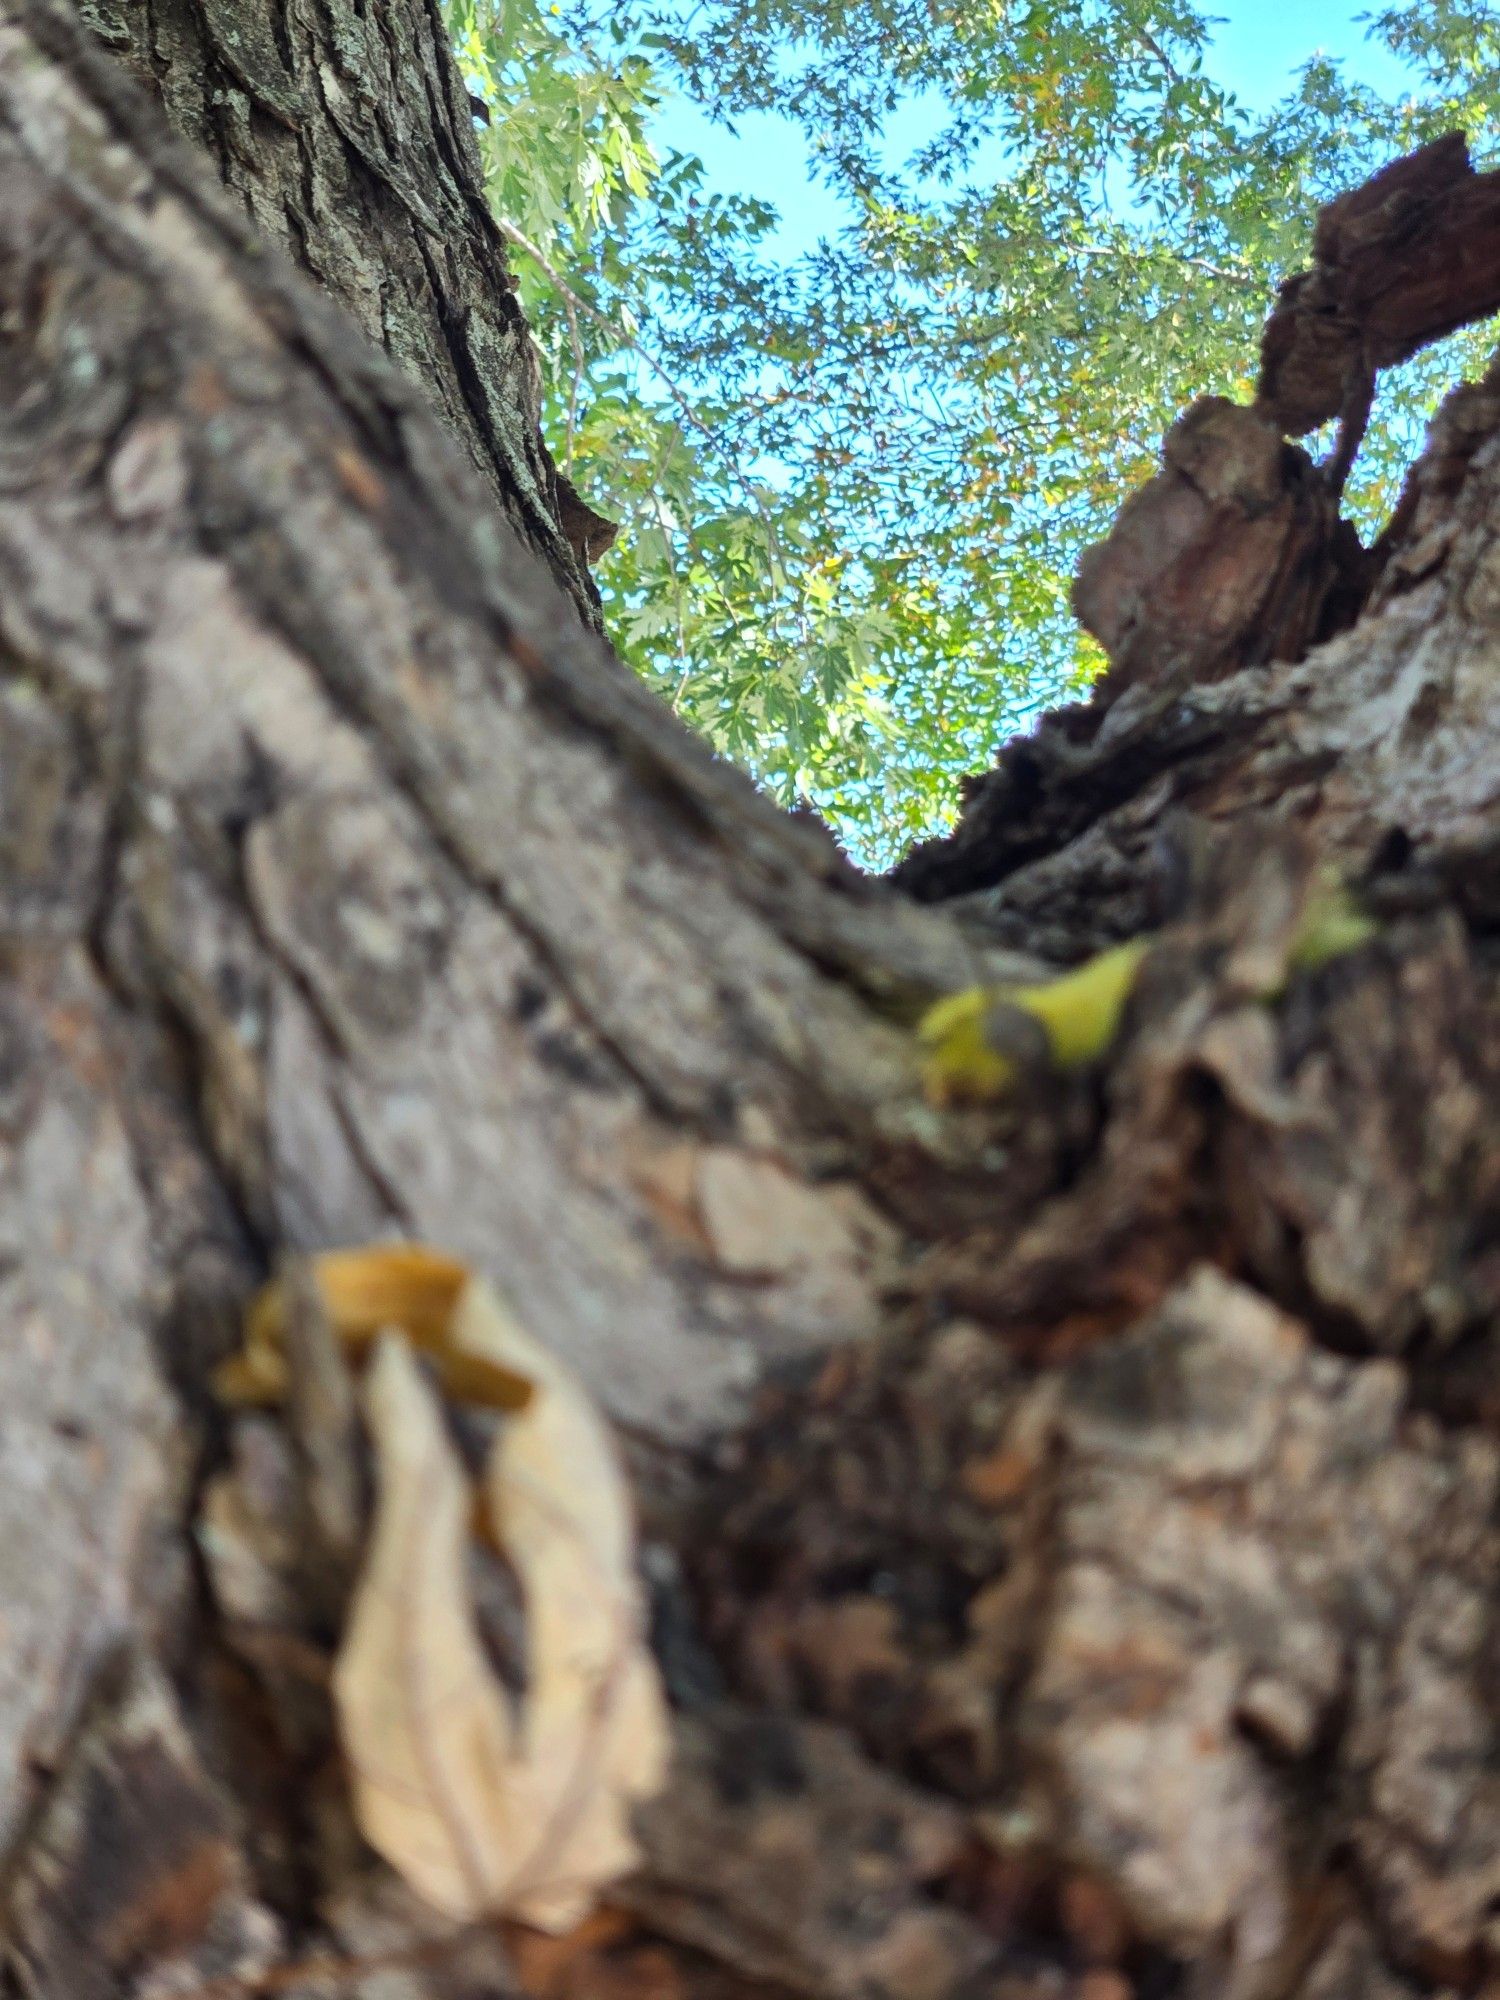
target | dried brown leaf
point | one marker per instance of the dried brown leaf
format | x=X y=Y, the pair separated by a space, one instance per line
x=483 y=1807
x=596 y=1734
x=425 y=1725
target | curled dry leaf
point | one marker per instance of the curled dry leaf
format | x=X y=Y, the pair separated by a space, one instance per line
x=425 y=1725
x=482 y=1805
x=595 y=1728
x=405 y=1285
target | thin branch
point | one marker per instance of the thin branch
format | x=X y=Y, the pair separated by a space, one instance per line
x=572 y=305
x=1174 y=75
x=1177 y=256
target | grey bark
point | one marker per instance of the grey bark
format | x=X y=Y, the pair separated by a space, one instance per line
x=1071 y=1522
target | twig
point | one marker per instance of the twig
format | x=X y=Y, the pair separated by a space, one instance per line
x=572 y=306
x=1178 y=256
x=1155 y=47
x=574 y=303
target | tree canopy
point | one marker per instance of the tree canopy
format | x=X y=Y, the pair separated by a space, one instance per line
x=852 y=487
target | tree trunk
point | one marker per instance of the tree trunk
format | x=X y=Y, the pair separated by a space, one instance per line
x=1070 y=1520
x=347 y=135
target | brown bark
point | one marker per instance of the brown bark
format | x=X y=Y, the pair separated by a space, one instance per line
x=1071 y=1522
x=1406 y=258
x=347 y=136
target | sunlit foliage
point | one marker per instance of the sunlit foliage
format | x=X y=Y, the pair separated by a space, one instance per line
x=852 y=488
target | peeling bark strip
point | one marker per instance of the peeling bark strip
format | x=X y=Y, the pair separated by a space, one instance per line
x=1100 y=1599
x=347 y=137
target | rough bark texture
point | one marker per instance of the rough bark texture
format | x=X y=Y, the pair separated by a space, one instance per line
x=347 y=135
x=1071 y=1523
x=1397 y=263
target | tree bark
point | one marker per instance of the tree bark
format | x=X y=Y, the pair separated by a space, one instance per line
x=348 y=138
x=1071 y=1522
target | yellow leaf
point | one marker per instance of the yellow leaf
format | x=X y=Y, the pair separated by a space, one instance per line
x=1081 y=1011
x=403 y=1285
x=976 y=1041
x=1333 y=923
x=974 y=1051
x=961 y=1062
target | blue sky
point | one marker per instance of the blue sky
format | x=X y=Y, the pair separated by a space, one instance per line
x=1257 y=47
